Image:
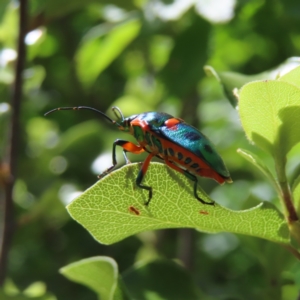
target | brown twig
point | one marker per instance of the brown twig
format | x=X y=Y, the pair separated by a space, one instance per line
x=288 y=202
x=12 y=152
x=287 y=198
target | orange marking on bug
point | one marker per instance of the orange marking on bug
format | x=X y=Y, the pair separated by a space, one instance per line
x=171 y=123
x=141 y=123
x=134 y=210
x=135 y=149
x=203 y=212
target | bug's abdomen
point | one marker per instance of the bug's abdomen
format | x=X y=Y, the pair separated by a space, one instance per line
x=189 y=161
x=183 y=158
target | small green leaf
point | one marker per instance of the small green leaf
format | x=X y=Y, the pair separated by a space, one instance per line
x=292 y=77
x=114 y=209
x=95 y=54
x=230 y=81
x=256 y=161
x=100 y=274
x=233 y=80
x=269 y=113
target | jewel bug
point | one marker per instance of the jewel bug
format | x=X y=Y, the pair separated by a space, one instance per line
x=181 y=146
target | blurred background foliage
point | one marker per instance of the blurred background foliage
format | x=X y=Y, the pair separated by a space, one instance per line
x=139 y=55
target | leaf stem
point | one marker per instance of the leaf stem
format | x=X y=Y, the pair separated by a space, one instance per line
x=286 y=193
x=287 y=199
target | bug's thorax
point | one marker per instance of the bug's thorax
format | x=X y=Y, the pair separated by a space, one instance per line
x=125 y=124
x=144 y=128
x=141 y=131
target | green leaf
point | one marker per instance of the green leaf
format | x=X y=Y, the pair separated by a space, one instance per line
x=229 y=81
x=257 y=162
x=269 y=112
x=232 y=80
x=292 y=77
x=96 y=54
x=114 y=209
x=100 y=274
x=161 y=279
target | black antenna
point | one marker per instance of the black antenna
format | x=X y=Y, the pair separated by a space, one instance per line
x=81 y=107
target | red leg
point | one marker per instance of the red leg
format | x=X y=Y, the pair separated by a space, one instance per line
x=130 y=147
x=141 y=175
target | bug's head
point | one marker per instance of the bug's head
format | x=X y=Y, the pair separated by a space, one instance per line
x=121 y=122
